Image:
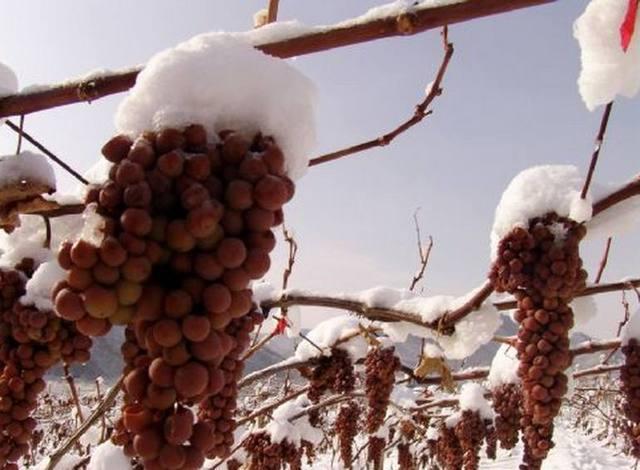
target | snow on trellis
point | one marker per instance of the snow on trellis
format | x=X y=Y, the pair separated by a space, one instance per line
x=283 y=427
x=328 y=333
x=470 y=333
x=504 y=367
x=471 y=398
x=220 y=81
x=607 y=69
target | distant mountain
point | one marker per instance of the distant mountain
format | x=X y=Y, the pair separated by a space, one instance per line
x=107 y=363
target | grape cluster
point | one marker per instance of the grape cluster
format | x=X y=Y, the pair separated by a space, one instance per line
x=233 y=464
x=186 y=225
x=630 y=377
x=266 y=455
x=346 y=427
x=31 y=342
x=507 y=399
x=334 y=372
x=529 y=460
x=375 y=450
x=491 y=439
x=217 y=412
x=448 y=449
x=405 y=457
x=541 y=266
x=381 y=365
x=471 y=432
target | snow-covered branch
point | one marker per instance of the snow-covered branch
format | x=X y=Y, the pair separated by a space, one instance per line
x=280 y=40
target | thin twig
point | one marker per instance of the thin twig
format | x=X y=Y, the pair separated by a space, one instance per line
x=600 y=369
x=258 y=345
x=625 y=319
x=233 y=451
x=603 y=261
x=272 y=11
x=103 y=421
x=102 y=408
x=47 y=229
x=419 y=114
x=19 y=145
x=596 y=151
x=74 y=392
x=423 y=254
x=46 y=151
x=617 y=196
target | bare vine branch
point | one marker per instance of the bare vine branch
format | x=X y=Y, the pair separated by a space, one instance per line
x=419 y=114
x=46 y=151
x=596 y=151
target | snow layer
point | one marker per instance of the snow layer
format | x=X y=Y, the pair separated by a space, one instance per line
x=470 y=333
x=504 y=367
x=472 y=399
x=399 y=7
x=222 y=82
x=39 y=287
x=282 y=427
x=535 y=192
x=108 y=456
x=631 y=329
x=27 y=241
x=8 y=80
x=607 y=70
x=26 y=166
x=327 y=333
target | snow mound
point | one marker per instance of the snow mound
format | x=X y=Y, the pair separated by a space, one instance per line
x=632 y=329
x=472 y=399
x=607 y=70
x=108 y=456
x=220 y=81
x=327 y=333
x=535 y=192
x=27 y=241
x=398 y=7
x=26 y=166
x=8 y=80
x=504 y=367
x=39 y=287
x=283 y=427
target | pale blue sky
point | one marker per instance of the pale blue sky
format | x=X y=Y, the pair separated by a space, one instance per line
x=510 y=102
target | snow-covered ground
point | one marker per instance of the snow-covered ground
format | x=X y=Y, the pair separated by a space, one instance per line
x=573 y=451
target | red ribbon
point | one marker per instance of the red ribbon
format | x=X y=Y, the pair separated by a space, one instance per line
x=281 y=326
x=629 y=24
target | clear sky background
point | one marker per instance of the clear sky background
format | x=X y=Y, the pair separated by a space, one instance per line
x=510 y=102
